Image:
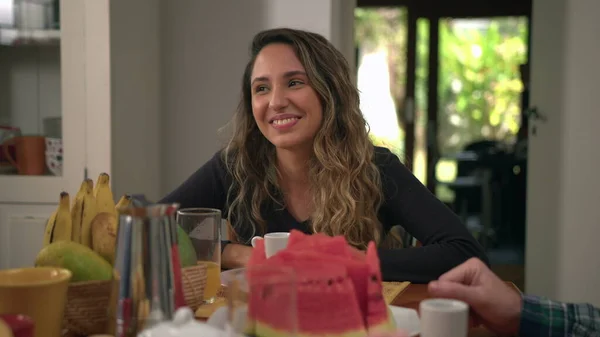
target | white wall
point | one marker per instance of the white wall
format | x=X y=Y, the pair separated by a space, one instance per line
x=333 y=19
x=564 y=192
x=136 y=90
x=204 y=50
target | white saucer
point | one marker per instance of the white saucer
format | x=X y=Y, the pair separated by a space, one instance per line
x=406 y=319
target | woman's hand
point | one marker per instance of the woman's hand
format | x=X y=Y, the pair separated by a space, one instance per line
x=235 y=256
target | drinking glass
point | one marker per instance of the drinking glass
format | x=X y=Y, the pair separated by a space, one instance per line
x=203 y=226
x=265 y=295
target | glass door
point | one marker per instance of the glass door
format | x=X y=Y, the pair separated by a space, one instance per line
x=42 y=99
x=391 y=76
x=479 y=89
x=475 y=131
x=453 y=72
x=30 y=89
x=381 y=40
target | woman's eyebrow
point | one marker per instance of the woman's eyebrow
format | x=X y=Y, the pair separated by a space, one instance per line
x=287 y=74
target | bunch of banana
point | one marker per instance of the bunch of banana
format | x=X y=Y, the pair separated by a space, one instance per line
x=91 y=220
x=124 y=202
x=104 y=196
x=59 y=226
x=104 y=227
x=83 y=213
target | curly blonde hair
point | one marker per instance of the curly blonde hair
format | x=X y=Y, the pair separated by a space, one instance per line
x=345 y=183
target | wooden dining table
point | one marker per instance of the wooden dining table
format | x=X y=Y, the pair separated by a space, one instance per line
x=412 y=295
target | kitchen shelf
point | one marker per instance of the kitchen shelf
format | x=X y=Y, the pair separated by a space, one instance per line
x=29 y=37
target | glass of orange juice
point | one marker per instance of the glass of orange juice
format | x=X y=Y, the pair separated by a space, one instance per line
x=203 y=226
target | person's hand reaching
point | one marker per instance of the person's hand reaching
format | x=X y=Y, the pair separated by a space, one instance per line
x=495 y=304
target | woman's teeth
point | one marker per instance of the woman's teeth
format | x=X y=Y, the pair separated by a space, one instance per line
x=284 y=121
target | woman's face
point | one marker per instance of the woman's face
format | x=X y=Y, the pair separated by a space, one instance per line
x=286 y=108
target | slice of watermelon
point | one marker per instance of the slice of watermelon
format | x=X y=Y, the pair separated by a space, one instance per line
x=356 y=271
x=319 y=284
x=296 y=237
x=338 y=289
x=377 y=314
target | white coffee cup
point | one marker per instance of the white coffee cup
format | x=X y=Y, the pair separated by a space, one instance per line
x=444 y=318
x=274 y=242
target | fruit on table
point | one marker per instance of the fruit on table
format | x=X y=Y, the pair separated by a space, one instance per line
x=104 y=235
x=104 y=196
x=83 y=213
x=187 y=253
x=92 y=219
x=328 y=271
x=83 y=262
x=59 y=226
x=124 y=202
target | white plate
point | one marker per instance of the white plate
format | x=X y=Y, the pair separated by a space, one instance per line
x=406 y=319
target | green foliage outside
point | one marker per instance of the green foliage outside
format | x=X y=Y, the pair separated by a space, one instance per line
x=480 y=84
x=479 y=81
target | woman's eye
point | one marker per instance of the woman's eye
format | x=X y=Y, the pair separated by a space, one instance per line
x=295 y=82
x=260 y=88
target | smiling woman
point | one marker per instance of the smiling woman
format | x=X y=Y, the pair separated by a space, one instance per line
x=286 y=108
x=300 y=158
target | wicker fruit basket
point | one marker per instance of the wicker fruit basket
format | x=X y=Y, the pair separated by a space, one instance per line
x=87 y=302
x=194 y=282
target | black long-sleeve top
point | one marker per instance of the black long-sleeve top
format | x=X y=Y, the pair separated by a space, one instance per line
x=445 y=240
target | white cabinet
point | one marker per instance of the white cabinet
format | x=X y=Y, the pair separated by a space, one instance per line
x=100 y=73
x=50 y=74
x=42 y=79
x=21 y=233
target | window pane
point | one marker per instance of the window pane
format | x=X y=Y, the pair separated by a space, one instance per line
x=479 y=86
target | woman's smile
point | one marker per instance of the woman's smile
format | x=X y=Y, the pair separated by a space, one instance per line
x=285 y=122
